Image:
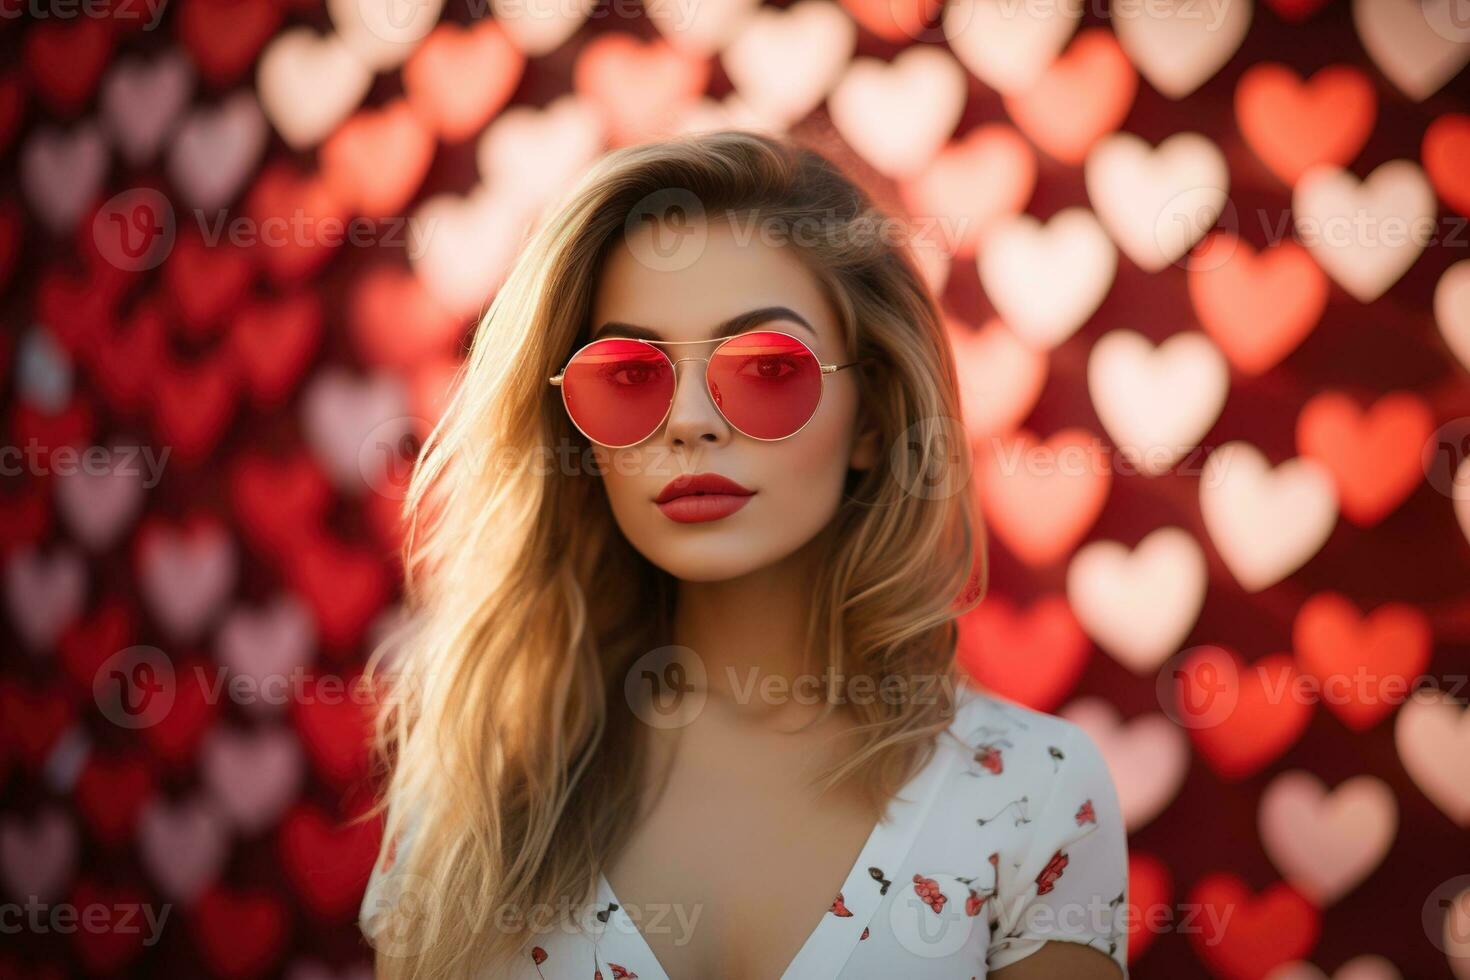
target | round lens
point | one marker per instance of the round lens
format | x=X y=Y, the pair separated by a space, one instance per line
x=617 y=391
x=767 y=384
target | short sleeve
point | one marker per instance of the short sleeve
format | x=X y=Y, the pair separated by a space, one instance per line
x=1070 y=883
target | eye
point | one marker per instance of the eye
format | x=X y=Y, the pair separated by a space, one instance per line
x=768 y=367
x=630 y=373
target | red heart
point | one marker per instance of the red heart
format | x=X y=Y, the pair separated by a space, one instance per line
x=668 y=82
x=1293 y=126
x=297 y=222
x=33 y=719
x=176 y=736
x=273 y=341
x=1366 y=665
x=1375 y=456
x=328 y=862
x=1033 y=657
x=1296 y=10
x=65 y=59
x=346 y=586
x=124 y=361
x=1081 y=97
x=894 y=20
x=376 y=160
x=333 y=719
x=1041 y=497
x=1259 y=932
x=395 y=322
x=72 y=427
x=110 y=793
x=948 y=186
x=224 y=36
x=25 y=515
x=1258 y=308
x=114 y=929
x=204 y=280
x=12 y=106
x=1150 y=889
x=86 y=645
x=193 y=404
x=461 y=76
x=1241 y=716
x=278 y=502
x=77 y=308
x=1447 y=159
x=241 y=934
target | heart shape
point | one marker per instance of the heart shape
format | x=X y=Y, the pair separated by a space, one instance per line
x=103 y=499
x=1157 y=403
x=142 y=100
x=273 y=341
x=540 y=151
x=216 y=151
x=1046 y=280
x=375 y=163
x=462 y=76
x=45 y=593
x=1177 y=45
x=898 y=115
x=1375 y=456
x=383 y=36
x=1000 y=378
x=1084 y=95
x=224 y=38
x=1432 y=734
x=326 y=862
x=241 y=934
x=1240 y=716
x=308 y=83
x=1418 y=46
x=61 y=173
x=1041 y=497
x=1265 y=521
x=785 y=60
x=1148 y=757
x=1032 y=656
x=38 y=856
x=1258 y=932
x=1006 y=46
x=185 y=572
x=473 y=241
x=668 y=80
x=252 y=777
x=974 y=183
x=270 y=646
x=1139 y=604
x=1294 y=125
x=183 y=846
x=1324 y=843
x=348 y=419
x=1446 y=156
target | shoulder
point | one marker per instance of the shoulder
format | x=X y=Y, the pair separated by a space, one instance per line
x=997 y=729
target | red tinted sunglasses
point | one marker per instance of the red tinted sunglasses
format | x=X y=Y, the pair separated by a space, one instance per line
x=767 y=384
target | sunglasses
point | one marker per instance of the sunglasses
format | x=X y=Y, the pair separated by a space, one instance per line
x=765 y=383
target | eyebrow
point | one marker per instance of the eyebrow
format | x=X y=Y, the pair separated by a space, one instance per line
x=732 y=326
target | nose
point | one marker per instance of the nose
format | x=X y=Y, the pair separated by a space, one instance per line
x=693 y=418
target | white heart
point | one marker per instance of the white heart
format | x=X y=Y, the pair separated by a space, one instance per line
x=708 y=115
x=539 y=27
x=1139 y=605
x=38 y=857
x=187 y=576
x=1156 y=202
x=46 y=593
x=217 y=150
x=101 y=499
x=1046 y=280
x=1432 y=733
x=540 y=152
x=1327 y=843
x=897 y=115
x=1266 y=522
x=785 y=61
x=1365 y=967
x=1452 y=309
x=1157 y=403
x=1365 y=234
x=1419 y=45
x=141 y=102
x=467 y=245
x=1178 y=45
x=61 y=171
x=699 y=28
x=1008 y=45
x=269 y=647
x=1148 y=756
x=383 y=33
x=308 y=83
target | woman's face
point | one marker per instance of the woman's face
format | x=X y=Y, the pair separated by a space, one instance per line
x=797 y=482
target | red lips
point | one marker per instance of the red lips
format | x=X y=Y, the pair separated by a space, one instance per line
x=700 y=483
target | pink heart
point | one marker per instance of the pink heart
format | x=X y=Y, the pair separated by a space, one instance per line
x=186 y=573
x=46 y=594
x=61 y=171
x=353 y=423
x=38 y=858
x=184 y=846
x=253 y=777
x=269 y=646
x=99 y=503
x=216 y=151
x=142 y=101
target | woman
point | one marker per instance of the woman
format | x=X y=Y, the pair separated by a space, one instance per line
x=685 y=547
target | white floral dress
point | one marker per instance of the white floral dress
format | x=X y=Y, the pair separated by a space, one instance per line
x=1009 y=837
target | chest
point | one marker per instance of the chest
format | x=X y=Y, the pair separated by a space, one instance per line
x=738 y=856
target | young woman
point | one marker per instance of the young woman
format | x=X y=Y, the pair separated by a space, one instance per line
x=686 y=552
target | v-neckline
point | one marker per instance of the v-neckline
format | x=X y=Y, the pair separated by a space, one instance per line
x=828 y=946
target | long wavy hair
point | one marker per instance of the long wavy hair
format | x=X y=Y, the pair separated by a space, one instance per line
x=513 y=759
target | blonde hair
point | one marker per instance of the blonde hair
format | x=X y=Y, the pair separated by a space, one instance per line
x=514 y=757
